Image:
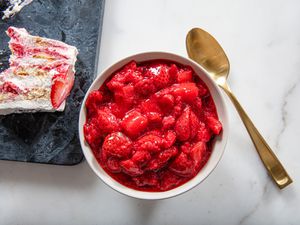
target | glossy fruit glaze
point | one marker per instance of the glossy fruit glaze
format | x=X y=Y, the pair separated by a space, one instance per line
x=151 y=125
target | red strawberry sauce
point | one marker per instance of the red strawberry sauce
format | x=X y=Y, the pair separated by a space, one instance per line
x=151 y=125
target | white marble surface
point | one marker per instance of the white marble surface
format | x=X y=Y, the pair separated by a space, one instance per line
x=262 y=40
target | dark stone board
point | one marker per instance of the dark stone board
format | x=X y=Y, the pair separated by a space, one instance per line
x=53 y=137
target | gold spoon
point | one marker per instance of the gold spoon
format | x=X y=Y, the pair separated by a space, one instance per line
x=206 y=51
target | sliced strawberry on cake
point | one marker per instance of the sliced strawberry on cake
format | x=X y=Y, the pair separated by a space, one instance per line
x=41 y=74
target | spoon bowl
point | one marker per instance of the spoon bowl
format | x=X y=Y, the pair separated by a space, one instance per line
x=212 y=58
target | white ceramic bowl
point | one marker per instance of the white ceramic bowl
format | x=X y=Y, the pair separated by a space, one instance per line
x=218 y=147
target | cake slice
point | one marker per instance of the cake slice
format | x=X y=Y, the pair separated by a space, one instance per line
x=40 y=76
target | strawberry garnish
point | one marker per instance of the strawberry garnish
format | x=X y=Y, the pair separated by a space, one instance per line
x=61 y=86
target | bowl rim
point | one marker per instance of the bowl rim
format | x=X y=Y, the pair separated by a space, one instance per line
x=106 y=178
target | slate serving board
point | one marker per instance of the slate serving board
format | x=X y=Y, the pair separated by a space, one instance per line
x=52 y=138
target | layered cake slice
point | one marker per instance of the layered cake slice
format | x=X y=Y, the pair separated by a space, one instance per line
x=40 y=76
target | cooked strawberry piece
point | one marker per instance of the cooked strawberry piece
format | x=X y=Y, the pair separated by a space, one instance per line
x=186 y=147
x=214 y=124
x=141 y=157
x=114 y=85
x=203 y=91
x=154 y=118
x=117 y=144
x=204 y=133
x=168 y=122
x=124 y=77
x=182 y=165
x=147 y=179
x=182 y=126
x=93 y=101
x=209 y=106
x=118 y=110
x=194 y=124
x=187 y=125
x=153 y=165
x=173 y=70
x=150 y=105
x=134 y=77
x=61 y=87
x=149 y=142
x=169 y=139
x=166 y=102
x=197 y=153
x=156 y=132
x=113 y=165
x=145 y=87
x=169 y=180
x=162 y=159
x=106 y=121
x=131 y=168
x=187 y=91
x=184 y=76
x=178 y=108
x=162 y=92
x=130 y=72
x=167 y=154
x=118 y=80
x=130 y=66
x=125 y=95
x=92 y=135
x=134 y=123
x=197 y=105
x=161 y=78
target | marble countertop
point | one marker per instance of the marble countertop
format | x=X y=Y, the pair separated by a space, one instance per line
x=262 y=40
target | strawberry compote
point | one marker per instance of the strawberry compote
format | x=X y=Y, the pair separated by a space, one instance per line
x=151 y=125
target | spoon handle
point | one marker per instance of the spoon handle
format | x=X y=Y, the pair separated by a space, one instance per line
x=271 y=162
